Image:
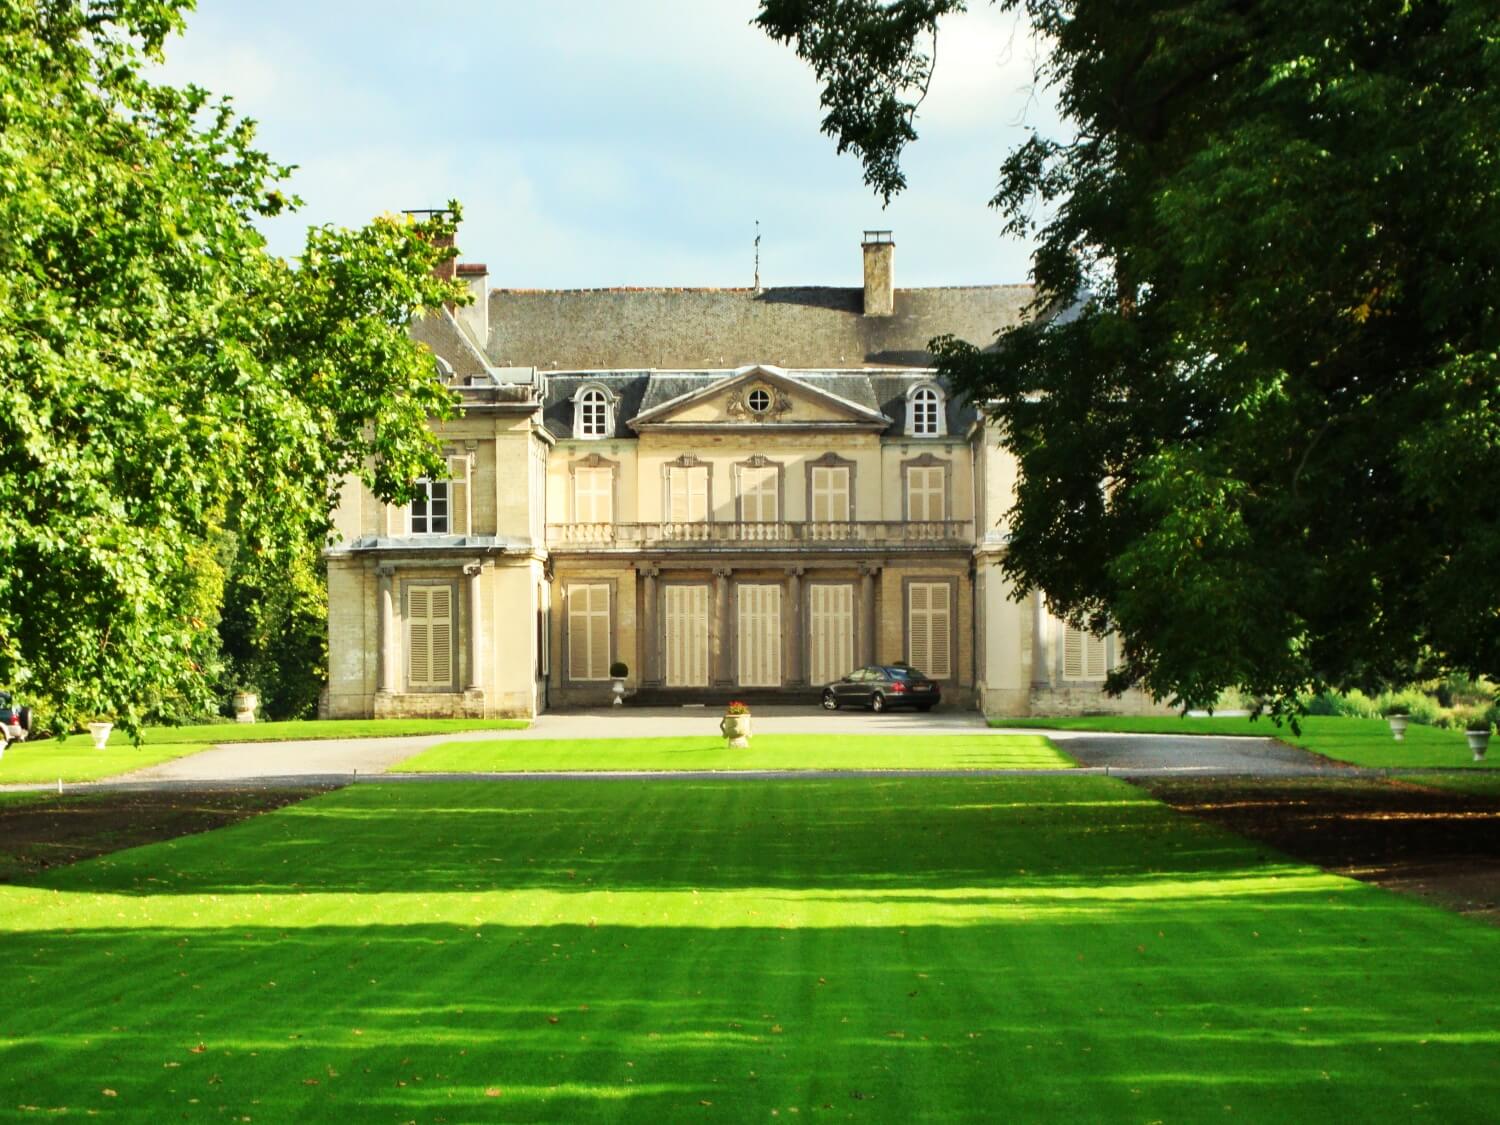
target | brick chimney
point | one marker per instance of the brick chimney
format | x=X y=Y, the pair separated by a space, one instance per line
x=475 y=317
x=880 y=273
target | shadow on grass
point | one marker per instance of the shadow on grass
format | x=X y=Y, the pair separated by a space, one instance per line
x=478 y=837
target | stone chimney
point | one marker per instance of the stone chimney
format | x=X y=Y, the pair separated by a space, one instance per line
x=475 y=317
x=880 y=273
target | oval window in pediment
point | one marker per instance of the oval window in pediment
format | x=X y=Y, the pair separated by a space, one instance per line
x=759 y=400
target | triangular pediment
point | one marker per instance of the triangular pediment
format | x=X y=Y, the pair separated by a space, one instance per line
x=761 y=396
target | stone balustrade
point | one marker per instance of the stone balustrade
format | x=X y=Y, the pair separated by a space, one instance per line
x=862 y=534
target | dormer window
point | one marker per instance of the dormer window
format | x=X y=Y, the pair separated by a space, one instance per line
x=924 y=411
x=593 y=413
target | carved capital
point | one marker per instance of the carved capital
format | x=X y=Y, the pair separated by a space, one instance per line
x=385 y=570
x=723 y=571
x=796 y=571
x=471 y=570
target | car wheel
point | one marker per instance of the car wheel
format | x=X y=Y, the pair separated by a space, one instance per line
x=877 y=702
x=25 y=719
x=830 y=701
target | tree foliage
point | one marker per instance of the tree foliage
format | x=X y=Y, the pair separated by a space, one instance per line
x=166 y=385
x=1259 y=432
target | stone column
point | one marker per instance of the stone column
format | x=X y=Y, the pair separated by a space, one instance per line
x=475 y=680
x=385 y=680
x=867 y=613
x=718 y=642
x=792 y=615
x=650 y=641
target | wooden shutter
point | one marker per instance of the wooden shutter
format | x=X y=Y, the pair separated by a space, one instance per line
x=832 y=633
x=930 y=628
x=588 y=631
x=429 y=650
x=830 y=491
x=759 y=633
x=925 y=485
x=685 y=636
x=758 y=499
x=1083 y=655
x=593 y=500
x=459 y=513
x=688 y=494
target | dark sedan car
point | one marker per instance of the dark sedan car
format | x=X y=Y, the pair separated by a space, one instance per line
x=882 y=686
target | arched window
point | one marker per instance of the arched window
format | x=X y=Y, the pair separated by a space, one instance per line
x=591 y=414
x=924 y=412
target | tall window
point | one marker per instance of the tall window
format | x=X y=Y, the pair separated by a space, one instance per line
x=925 y=409
x=593 y=413
x=830 y=494
x=687 y=494
x=588 y=631
x=758 y=499
x=593 y=495
x=430 y=508
x=926 y=486
x=429 y=638
x=929 y=625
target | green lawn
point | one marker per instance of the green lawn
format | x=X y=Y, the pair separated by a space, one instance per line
x=1480 y=784
x=766 y=752
x=1362 y=742
x=1042 y=948
x=75 y=759
x=299 y=729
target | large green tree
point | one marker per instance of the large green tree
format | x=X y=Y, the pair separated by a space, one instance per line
x=173 y=397
x=1259 y=428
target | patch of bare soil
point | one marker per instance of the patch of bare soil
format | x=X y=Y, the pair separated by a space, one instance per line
x=1438 y=845
x=53 y=831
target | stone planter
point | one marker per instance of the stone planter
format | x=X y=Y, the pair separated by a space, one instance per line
x=99 y=732
x=245 y=703
x=736 y=731
x=1479 y=741
x=1398 y=726
x=618 y=687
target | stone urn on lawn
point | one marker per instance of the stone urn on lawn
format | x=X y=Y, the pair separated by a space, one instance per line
x=245 y=703
x=617 y=673
x=1398 y=721
x=99 y=731
x=735 y=725
x=1478 y=735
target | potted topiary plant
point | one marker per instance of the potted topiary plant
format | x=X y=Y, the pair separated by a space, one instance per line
x=617 y=672
x=735 y=726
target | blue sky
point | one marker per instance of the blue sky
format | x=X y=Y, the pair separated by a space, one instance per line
x=598 y=143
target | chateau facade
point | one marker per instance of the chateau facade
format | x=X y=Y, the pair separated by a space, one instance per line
x=732 y=492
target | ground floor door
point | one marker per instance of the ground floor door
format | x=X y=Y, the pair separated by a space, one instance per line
x=685 y=635
x=831 y=632
x=759 y=634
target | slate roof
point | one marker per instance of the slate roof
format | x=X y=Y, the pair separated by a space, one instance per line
x=722 y=329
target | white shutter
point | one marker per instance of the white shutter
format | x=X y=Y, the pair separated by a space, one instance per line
x=593 y=500
x=759 y=634
x=685 y=633
x=758 y=499
x=830 y=491
x=429 y=625
x=1073 y=650
x=924 y=493
x=687 y=490
x=832 y=613
x=460 y=515
x=930 y=629
x=588 y=631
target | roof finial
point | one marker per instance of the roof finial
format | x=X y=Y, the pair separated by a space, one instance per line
x=757 y=257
